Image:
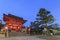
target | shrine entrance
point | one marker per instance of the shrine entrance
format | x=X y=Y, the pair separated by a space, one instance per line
x=13 y=22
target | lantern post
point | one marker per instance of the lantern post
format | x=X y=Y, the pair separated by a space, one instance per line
x=6 y=31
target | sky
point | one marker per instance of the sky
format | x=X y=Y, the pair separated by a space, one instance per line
x=28 y=9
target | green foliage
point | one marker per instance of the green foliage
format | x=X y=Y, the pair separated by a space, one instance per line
x=43 y=18
x=58 y=28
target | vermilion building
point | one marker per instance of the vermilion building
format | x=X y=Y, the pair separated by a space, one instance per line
x=13 y=22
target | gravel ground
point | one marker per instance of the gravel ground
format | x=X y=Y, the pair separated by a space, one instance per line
x=36 y=37
x=56 y=37
x=23 y=38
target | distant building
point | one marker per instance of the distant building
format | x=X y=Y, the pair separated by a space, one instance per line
x=0 y=21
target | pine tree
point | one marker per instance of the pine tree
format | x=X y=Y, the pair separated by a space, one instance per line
x=44 y=17
x=43 y=20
